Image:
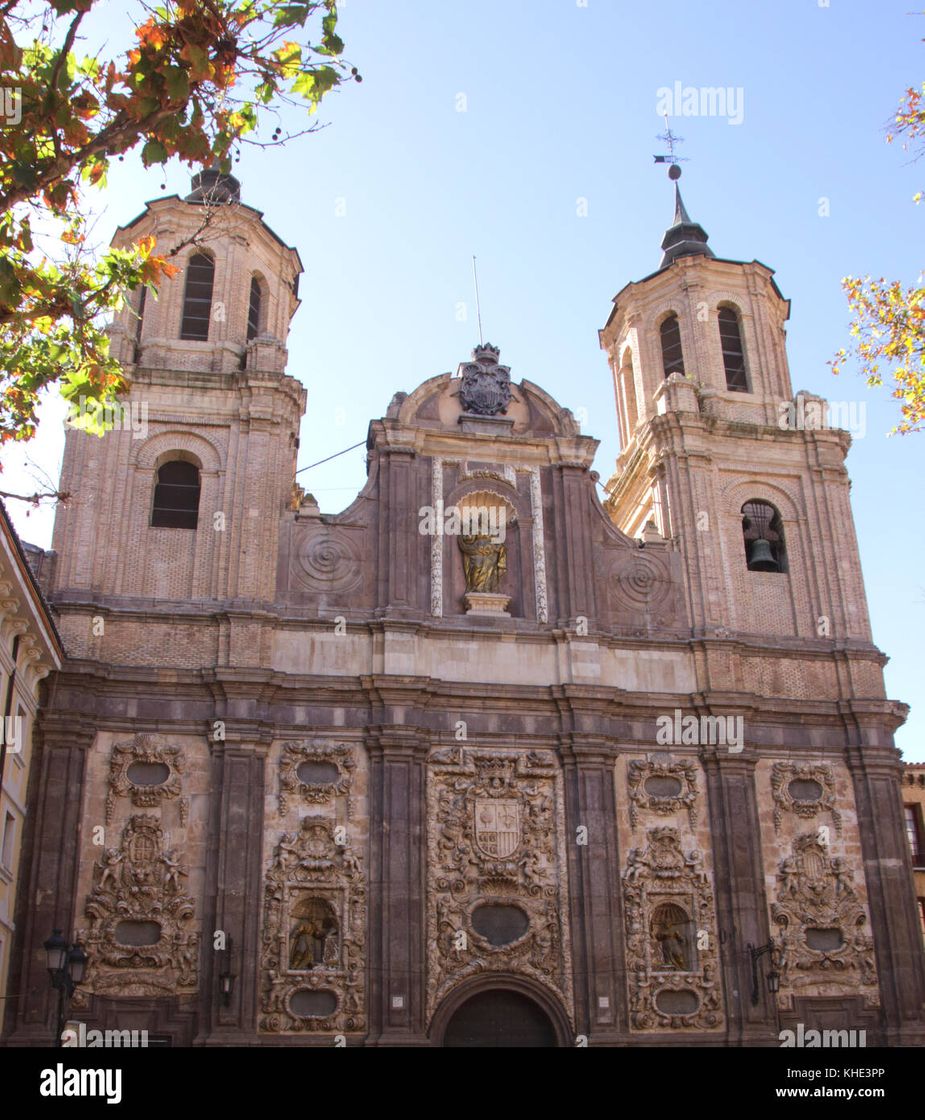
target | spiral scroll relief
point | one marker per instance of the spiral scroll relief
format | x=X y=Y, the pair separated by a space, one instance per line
x=643 y=584
x=329 y=562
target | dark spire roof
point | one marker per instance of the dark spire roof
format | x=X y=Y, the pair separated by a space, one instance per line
x=213 y=187
x=685 y=238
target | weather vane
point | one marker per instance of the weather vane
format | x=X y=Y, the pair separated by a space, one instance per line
x=670 y=140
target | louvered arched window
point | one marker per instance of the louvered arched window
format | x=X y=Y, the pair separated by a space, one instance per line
x=730 y=336
x=197 y=298
x=176 y=496
x=254 y=309
x=672 y=354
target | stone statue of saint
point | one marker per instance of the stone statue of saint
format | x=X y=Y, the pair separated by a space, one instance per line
x=313 y=941
x=484 y=562
x=668 y=927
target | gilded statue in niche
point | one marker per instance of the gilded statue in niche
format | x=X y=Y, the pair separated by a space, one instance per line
x=484 y=562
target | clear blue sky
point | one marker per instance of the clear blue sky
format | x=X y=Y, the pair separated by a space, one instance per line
x=561 y=105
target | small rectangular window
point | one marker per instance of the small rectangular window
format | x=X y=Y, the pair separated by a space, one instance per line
x=6 y=849
x=913 y=819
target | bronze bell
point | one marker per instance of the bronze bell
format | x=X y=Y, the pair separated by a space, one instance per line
x=760 y=557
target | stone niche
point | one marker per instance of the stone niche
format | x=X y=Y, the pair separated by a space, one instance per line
x=314 y=934
x=671 y=942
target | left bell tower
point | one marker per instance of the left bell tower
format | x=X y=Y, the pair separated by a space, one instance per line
x=183 y=500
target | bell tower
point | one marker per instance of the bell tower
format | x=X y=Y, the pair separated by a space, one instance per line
x=182 y=501
x=717 y=453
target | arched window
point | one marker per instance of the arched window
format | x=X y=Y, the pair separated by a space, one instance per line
x=730 y=337
x=140 y=311
x=197 y=298
x=176 y=496
x=254 y=309
x=763 y=532
x=672 y=355
x=628 y=389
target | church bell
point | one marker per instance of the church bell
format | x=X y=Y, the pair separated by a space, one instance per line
x=760 y=558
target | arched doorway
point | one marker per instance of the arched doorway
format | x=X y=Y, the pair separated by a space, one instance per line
x=499 y=1017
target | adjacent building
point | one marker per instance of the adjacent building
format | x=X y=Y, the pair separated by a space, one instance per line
x=29 y=650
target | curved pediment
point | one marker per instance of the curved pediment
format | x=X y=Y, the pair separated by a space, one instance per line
x=481 y=398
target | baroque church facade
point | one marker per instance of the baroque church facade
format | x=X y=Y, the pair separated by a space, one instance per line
x=479 y=760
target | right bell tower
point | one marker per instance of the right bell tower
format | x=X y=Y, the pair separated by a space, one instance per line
x=747 y=480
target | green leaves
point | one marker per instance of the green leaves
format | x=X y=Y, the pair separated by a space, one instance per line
x=291 y=15
x=193 y=81
x=314 y=84
x=176 y=81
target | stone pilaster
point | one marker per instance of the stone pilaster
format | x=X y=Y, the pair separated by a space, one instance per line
x=50 y=859
x=397 y=841
x=875 y=771
x=233 y=897
x=594 y=892
x=741 y=904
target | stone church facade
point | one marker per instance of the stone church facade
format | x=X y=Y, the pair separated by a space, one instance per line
x=479 y=759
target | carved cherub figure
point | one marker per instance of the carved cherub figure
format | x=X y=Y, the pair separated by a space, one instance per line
x=111 y=860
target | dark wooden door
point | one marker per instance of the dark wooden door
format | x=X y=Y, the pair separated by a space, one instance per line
x=500 y=1018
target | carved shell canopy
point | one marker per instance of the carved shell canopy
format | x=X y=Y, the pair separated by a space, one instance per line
x=488 y=500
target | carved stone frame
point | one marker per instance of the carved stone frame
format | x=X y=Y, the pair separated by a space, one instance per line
x=145 y=748
x=310 y=793
x=783 y=773
x=638 y=771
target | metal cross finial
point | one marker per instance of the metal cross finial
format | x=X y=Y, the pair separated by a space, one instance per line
x=670 y=140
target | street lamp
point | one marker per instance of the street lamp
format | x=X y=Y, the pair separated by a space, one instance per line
x=226 y=976
x=67 y=966
x=773 y=976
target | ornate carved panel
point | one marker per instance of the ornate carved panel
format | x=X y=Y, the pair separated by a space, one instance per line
x=788 y=779
x=333 y=765
x=314 y=934
x=823 y=926
x=497 y=897
x=141 y=940
x=152 y=753
x=671 y=944
x=662 y=786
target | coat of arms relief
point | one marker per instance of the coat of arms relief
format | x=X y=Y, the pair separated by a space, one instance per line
x=142 y=939
x=496 y=880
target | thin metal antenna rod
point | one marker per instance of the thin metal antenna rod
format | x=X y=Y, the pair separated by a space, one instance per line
x=478 y=302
